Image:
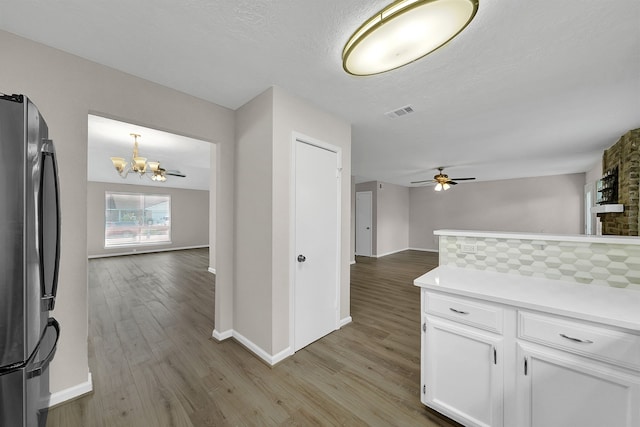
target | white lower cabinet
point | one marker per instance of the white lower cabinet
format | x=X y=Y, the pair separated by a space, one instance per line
x=463 y=373
x=487 y=364
x=557 y=389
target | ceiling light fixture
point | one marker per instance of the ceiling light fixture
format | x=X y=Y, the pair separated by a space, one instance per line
x=138 y=164
x=403 y=32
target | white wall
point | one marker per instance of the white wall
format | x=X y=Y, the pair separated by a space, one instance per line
x=67 y=88
x=551 y=204
x=392 y=219
x=189 y=217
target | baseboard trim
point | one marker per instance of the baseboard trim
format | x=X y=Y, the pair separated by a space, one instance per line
x=258 y=351
x=345 y=321
x=71 y=393
x=391 y=253
x=147 y=251
x=423 y=250
x=211 y=270
x=279 y=357
x=352 y=262
x=221 y=336
x=252 y=347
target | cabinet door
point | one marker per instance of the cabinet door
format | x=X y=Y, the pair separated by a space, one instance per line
x=462 y=372
x=556 y=389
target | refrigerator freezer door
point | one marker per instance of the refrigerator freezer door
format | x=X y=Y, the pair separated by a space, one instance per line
x=13 y=347
x=12 y=397
x=24 y=392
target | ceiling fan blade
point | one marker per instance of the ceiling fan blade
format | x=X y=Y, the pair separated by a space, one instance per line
x=463 y=179
x=175 y=173
x=452 y=183
x=422 y=182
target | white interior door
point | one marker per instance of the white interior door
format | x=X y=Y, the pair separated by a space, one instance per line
x=364 y=208
x=316 y=276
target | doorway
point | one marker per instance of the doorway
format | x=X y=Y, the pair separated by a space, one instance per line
x=316 y=272
x=364 y=223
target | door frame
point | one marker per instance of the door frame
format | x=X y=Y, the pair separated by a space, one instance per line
x=301 y=138
x=370 y=223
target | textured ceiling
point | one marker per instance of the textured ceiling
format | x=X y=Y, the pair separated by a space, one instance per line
x=530 y=88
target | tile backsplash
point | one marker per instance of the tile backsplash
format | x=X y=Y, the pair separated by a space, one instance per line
x=611 y=264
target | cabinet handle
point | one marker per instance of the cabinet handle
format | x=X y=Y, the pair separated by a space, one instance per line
x=458 y=311
x=495 y=356
x=526 y=366
x=576 y=339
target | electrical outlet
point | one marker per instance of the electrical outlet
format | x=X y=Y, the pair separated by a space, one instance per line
x=468 y=248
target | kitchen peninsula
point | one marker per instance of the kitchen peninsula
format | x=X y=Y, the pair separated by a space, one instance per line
x=534 y=330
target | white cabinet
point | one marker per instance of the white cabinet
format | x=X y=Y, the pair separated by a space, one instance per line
x=490 y=364
x=576 y=373
x=556 y=389
x=463 y=372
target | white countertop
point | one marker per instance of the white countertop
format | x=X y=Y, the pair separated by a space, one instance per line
x=617 y=307
x=624 y=240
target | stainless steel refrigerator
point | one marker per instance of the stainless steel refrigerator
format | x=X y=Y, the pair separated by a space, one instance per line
x=29 y=260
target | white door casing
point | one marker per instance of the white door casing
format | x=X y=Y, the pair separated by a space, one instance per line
x=590 y=219
x=364 y=208
x=316 y=240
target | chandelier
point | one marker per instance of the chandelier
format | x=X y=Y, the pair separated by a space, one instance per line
x=139 y=165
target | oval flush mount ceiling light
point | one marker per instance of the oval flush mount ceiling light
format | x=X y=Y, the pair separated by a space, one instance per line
x=404 y=31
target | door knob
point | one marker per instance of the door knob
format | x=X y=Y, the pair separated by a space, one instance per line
x=367 y=228
x=302 y=258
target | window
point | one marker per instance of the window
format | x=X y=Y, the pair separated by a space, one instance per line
x=136 y=219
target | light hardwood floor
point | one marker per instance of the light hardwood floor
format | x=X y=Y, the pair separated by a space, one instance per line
x=154 y=362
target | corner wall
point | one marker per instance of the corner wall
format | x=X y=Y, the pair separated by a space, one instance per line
x=66 y=88
x=265 y=129
x=392 y=219
x=389 y=217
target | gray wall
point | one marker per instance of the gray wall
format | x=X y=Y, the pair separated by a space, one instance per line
x=292 y=114
x=66 y=89
x=189 y=217
x=253 y=227
x=389 y=217
x=265 y=128
x=392 y=219
x=551 y=204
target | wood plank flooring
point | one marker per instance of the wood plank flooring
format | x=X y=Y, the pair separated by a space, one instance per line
x=154 y=362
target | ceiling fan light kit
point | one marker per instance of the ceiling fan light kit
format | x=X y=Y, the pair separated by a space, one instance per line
x=443 y=182
x=403 y=32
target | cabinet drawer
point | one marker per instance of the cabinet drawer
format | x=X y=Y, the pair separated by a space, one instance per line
x=462 y=310
x=597 y=342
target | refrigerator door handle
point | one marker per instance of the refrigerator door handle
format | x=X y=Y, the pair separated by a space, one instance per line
x=48 y=224
x=42 y=365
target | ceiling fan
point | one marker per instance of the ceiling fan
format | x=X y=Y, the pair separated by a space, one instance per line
x=160 y=174
x=443 y=182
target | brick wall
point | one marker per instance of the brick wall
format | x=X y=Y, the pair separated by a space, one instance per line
x=625 y=154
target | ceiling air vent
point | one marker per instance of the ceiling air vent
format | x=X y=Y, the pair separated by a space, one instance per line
x=403 y=111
